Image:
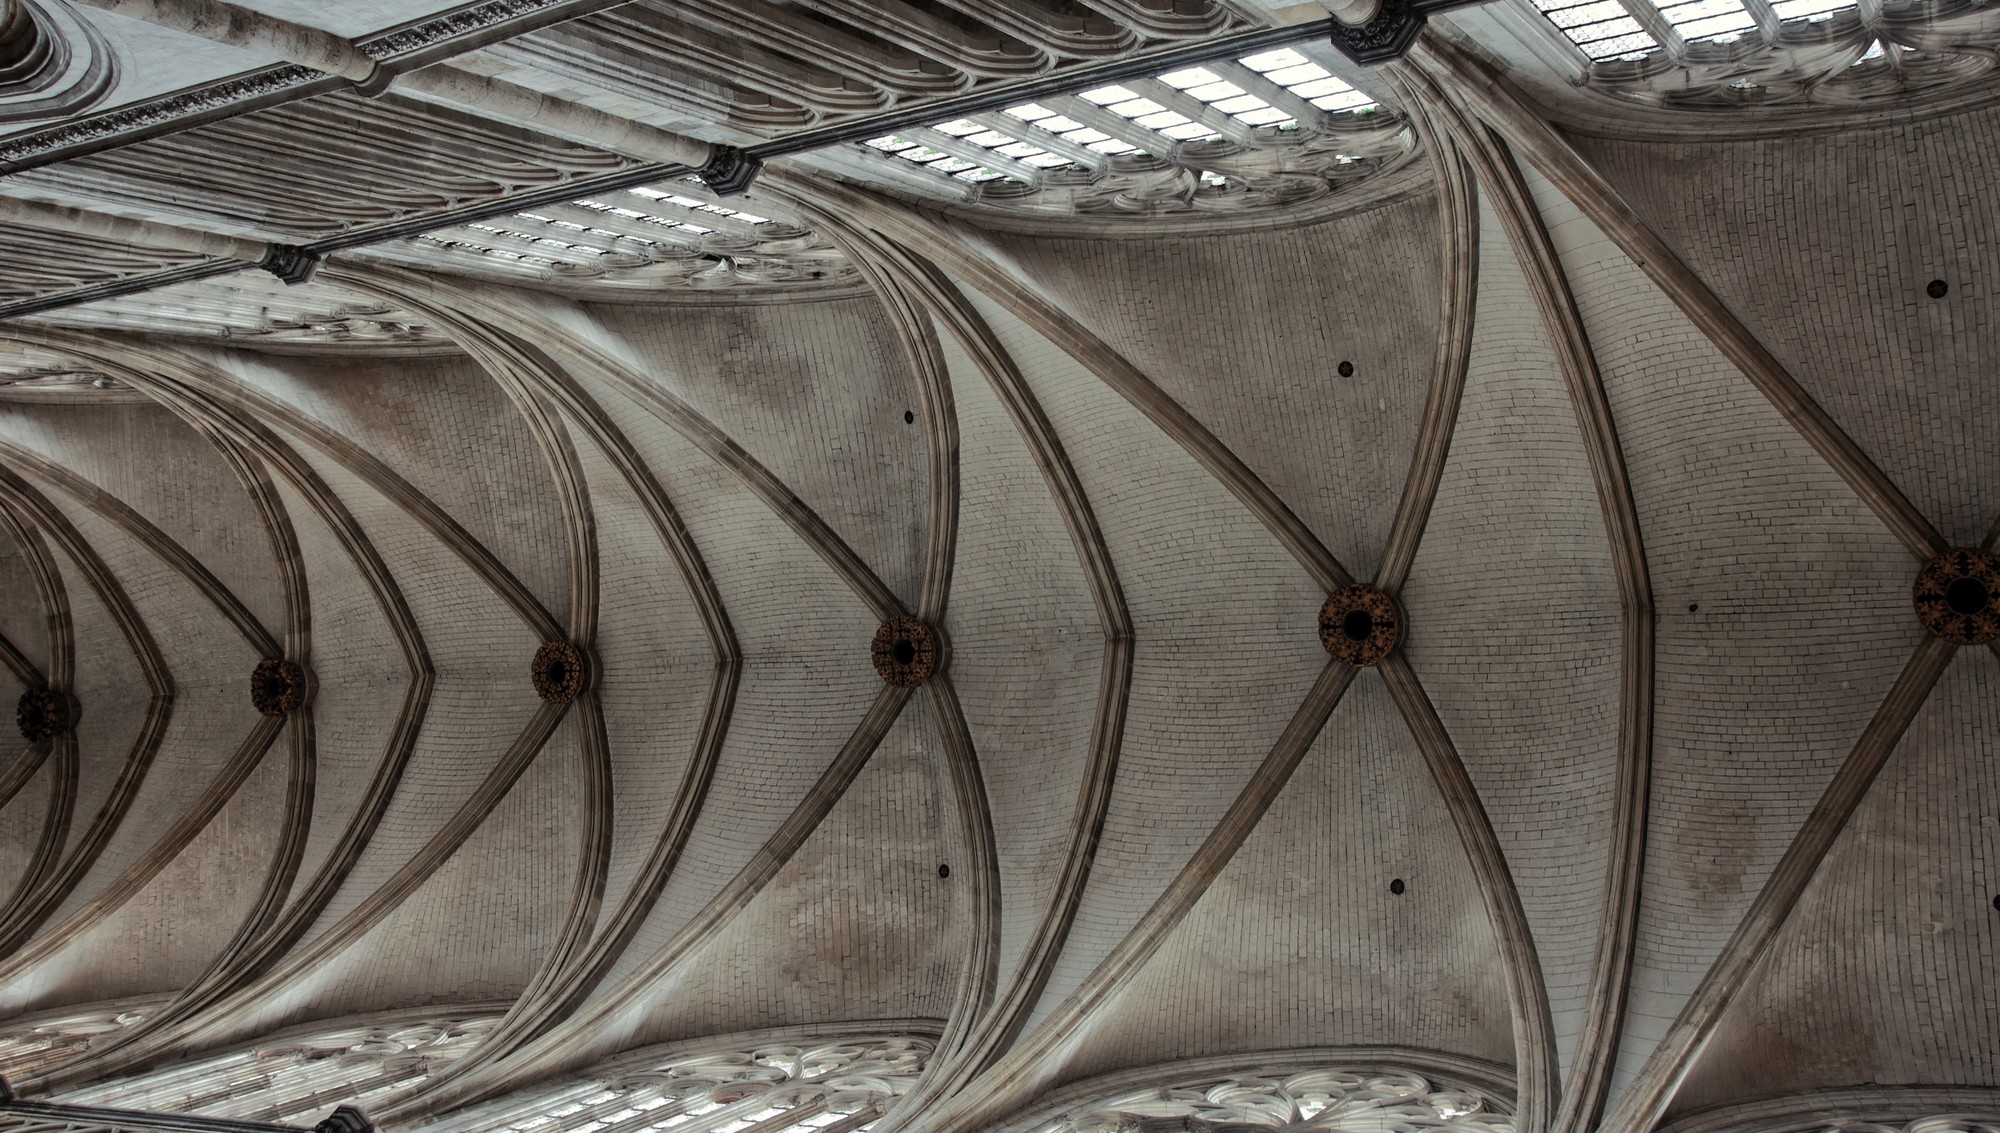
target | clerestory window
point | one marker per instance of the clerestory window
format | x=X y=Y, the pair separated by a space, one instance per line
x=298 y=1077
x=784 y=1085
x=1226 y=99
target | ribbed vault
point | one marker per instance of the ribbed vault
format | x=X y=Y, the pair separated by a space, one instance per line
x=1664 y=812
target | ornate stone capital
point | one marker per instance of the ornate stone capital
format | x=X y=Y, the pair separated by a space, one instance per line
x=345 y=1119
x=291 y=263
x=729 y=171
x=1386 y=35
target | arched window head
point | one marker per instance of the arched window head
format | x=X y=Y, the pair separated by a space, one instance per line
x=817 y=1085
x=297 y=1076
x=1288 y=1094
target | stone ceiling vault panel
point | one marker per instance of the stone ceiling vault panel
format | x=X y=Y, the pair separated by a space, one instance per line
x=1784 y=617
x=816 y=392
x=1225 y=646
x=430 y=419
x=22 y=617
x=1877 y=976
x=112 y=688
x=806 y=678
x=169 y=932
x=858 y=925
x=1027 y=650
x=482 y=698
x=482 y=923
x=21 y=822
x=1247 y=331
x=212 y=715
x=1824 y=245
x=1515 y=628
x=1300 y=942
x=362 y=679
x=655 y=667
x=158 y=465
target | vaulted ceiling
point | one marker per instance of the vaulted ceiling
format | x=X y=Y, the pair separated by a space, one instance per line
x=1645 y=409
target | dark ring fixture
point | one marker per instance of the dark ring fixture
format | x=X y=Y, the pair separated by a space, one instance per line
x=1957 y=596
x=905 y=652
x=560 y=672
x=43 y=714
x=1360 y=624
x=277 y=686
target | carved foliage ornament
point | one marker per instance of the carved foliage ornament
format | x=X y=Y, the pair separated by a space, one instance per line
x=44 y=713
x=277 y=686
x=1359 y=624
x=1328 y=1099
x=1957 y=596
x=905 y=651
x=560 y=672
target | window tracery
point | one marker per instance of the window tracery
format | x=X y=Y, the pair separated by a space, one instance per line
x=821 y=1085
x=675 y=235
x=297 y=1079
x=1268 y=130
x=1323 y=1097
x=31 y=1045
x=1744 y=53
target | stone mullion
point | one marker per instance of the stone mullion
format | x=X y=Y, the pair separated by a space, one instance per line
x=1034 y=135
x=1107 y=122
x=1191 y=107
x=1309 y=116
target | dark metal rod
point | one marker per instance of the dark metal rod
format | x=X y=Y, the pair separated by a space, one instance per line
x=107 y=1118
